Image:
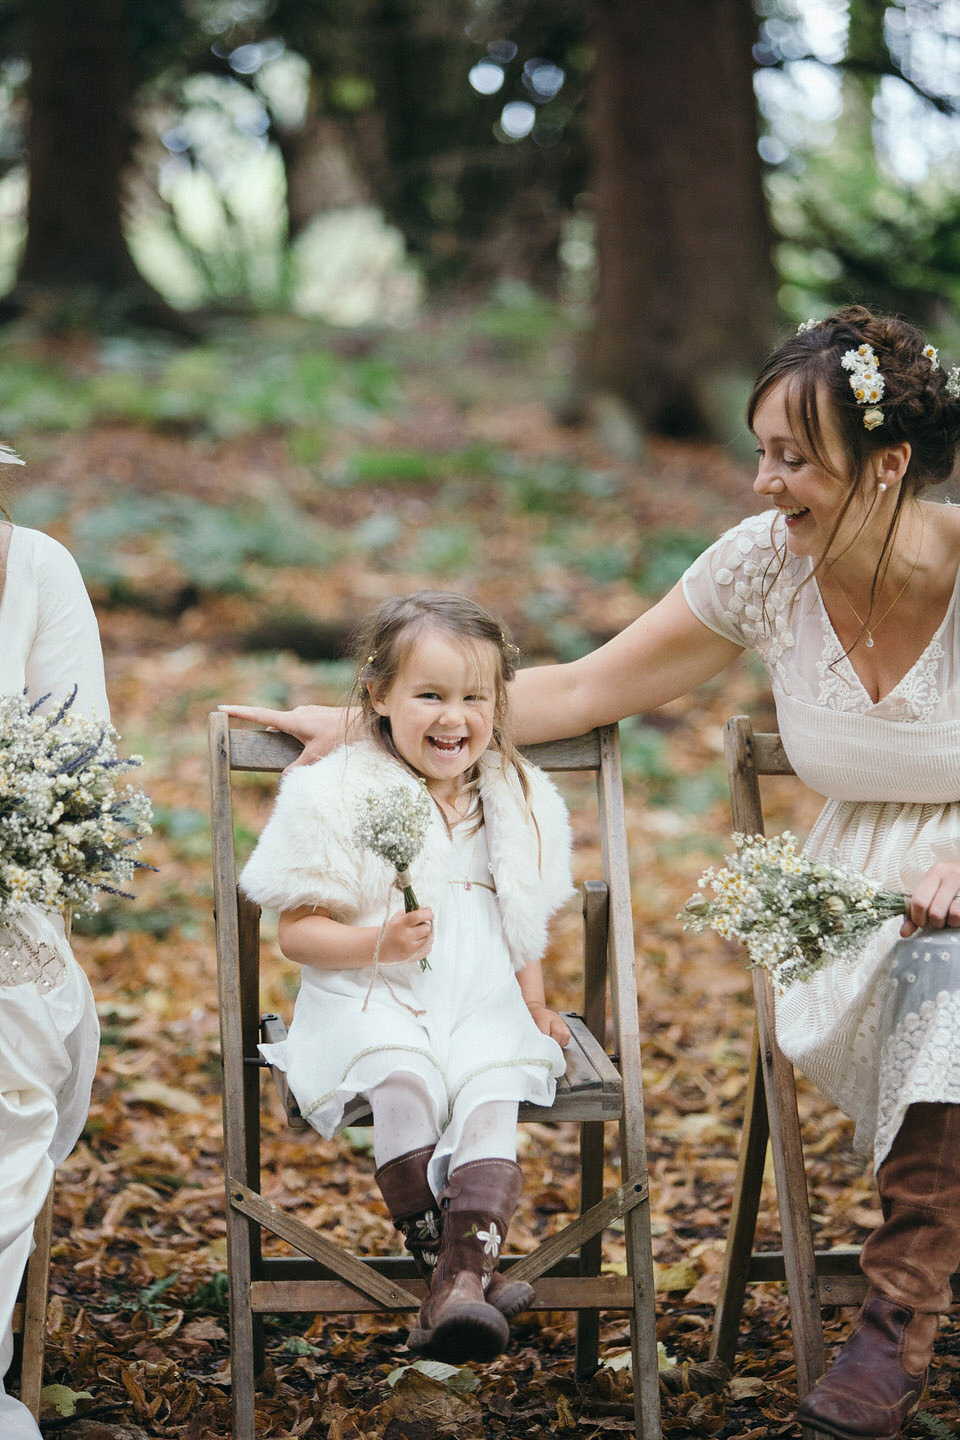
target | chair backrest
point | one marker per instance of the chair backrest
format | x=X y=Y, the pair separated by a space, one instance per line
x=749 y=755
x=597 y=752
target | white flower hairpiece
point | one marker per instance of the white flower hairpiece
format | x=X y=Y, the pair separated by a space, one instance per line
x=807 y=325
x=933 y=355
x=953 y=382
x=866 y=382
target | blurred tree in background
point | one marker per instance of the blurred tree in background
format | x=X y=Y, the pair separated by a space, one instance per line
x=667 y=167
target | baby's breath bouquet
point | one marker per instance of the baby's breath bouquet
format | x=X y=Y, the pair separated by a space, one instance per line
x=393 y=824
x=793 y=912
x=67 y=830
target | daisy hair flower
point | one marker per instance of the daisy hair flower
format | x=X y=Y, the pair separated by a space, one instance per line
x=866 y=382
x=793 y=912
x=393 y=823
x=68 y=830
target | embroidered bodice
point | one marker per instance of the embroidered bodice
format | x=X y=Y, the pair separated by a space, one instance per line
x=891 y=769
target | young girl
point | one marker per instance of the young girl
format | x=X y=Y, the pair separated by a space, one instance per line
x=442 y=1053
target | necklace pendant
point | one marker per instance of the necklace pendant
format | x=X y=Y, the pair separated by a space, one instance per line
x=869 y=642
x=468 y=885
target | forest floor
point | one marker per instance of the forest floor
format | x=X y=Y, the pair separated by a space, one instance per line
x=229 y=552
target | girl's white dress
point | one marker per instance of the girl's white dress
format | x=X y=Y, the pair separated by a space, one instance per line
x=880 y=1032
x=49 y=1036
x=462 y=1025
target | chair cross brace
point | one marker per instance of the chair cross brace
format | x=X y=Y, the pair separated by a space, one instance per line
x=395 y=1297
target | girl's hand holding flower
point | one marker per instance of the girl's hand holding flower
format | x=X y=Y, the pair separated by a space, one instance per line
x=407 y=936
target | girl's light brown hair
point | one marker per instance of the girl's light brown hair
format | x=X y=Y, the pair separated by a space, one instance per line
x=383 y=644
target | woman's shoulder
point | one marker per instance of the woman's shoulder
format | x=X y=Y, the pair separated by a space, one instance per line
x=752 y=551
x=40 y=551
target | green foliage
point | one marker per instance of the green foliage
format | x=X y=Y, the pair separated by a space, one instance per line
x=208 y=545
x=548 y=612
x=645 y=756
x=665 y=558
x=554 y=486
x=235 y=387
x=935 y=1427
x=211 y=1297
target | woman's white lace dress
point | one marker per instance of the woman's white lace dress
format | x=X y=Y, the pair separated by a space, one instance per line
x=49 y=1035
x=882 y=1031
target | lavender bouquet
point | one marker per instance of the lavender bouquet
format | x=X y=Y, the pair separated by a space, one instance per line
x=793 y=912
x=393 y=824
x=67 y=830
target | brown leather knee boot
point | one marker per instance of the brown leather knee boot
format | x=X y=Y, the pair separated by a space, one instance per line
x=417 y=1215
x=413 y=1209
x=456 y=1321
x=880 y=1375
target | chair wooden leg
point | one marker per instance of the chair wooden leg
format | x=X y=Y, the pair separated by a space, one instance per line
x=35 y=1309
x=591 y=1252
x=242 y=1325
x=792 y=1199
x=643 y=1326
x=743 y=1216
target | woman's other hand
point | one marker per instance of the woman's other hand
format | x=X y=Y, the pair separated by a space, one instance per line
x=935 y=900
x=319 y=728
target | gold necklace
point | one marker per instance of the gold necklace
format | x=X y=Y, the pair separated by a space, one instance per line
x=877 y=623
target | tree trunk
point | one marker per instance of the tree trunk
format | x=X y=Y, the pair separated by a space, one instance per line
x=76 y=265
x=685 y=304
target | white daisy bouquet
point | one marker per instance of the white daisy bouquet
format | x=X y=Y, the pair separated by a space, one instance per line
x=393 y=824
x=67 y=829
x=793 y=912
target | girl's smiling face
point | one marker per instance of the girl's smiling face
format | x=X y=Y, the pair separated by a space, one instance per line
x=809 y=497
x=441 y=708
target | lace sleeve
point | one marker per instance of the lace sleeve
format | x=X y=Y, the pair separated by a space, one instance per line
x=743 y=586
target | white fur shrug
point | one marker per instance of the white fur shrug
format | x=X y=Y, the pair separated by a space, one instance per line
x=307 y=855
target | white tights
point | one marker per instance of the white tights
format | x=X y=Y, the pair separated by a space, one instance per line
x=404 y=1119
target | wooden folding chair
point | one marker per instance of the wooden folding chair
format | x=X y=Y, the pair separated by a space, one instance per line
x=566 y=1268
x=30 y=1312
x=814 y=1277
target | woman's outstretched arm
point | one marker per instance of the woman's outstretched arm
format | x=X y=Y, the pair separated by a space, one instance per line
x=665 y=653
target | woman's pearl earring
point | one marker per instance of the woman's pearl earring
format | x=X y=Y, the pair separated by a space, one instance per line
x=882 y=486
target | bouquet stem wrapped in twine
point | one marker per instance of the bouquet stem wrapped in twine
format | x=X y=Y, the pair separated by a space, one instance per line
x=393 y=823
